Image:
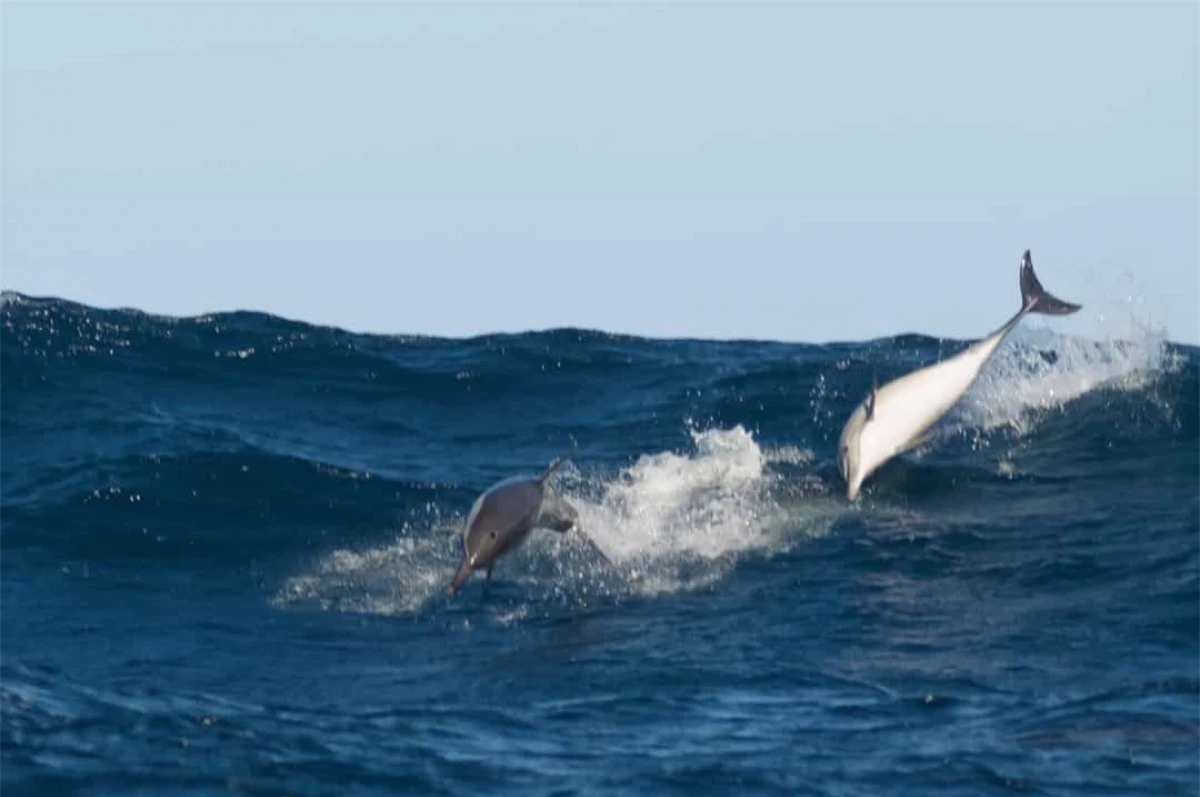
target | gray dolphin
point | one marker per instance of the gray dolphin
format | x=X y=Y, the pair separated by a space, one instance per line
x=897 y=417
x=503 y=517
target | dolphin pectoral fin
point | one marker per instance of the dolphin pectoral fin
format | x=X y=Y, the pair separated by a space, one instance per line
x=460 y=578
x=1035 y=297
x=561 y=525
x=488 y=580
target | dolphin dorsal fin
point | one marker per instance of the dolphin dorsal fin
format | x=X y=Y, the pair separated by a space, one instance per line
x=874 y=393
x=554 y=465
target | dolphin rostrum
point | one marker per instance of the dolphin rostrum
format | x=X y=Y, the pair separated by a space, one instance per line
x=503 y=517
x=896 y=418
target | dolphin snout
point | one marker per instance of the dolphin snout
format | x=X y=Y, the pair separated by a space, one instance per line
x=854 y=485
x=460 y=578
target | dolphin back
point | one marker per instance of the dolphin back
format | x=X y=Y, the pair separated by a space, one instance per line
x=1035 y=297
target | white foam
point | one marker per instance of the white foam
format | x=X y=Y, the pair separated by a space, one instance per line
x=704 y=503
x=398 y=578
x=669 y=522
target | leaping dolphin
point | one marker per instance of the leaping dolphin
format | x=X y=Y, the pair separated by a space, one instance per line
x=895 y=418
x=503 y=517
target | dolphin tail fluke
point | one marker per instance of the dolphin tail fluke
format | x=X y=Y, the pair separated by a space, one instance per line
x=1035 y=297
x=460 y=578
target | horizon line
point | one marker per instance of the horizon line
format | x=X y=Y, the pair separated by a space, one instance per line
x=7 y=294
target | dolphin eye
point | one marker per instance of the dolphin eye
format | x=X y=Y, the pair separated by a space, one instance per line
x=492 y=534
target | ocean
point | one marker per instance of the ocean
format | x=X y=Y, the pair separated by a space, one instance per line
x=225 y=542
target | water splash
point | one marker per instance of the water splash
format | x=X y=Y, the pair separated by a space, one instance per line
x=398 y=578
x=669 y=522
x=1037 y=369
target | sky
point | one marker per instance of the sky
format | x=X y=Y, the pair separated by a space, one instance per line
x=798 y=172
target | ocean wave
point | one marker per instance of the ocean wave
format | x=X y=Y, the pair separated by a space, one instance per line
x=134 y=437
x=225 y=543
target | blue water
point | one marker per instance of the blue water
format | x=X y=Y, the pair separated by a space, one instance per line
x=225 y=542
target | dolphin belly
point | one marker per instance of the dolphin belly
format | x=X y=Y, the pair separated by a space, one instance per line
x=908 y=407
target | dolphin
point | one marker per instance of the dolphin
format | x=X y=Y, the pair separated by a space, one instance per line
x=503 y=517
x=897 y=417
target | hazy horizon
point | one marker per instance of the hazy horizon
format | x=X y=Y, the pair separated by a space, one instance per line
x=807 y=172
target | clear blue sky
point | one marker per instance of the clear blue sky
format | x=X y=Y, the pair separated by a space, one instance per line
x=788 y=171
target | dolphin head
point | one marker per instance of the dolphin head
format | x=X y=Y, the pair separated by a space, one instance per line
x=849 y=456
x=499 y=521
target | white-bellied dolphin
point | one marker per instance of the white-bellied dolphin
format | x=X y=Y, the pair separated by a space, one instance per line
x=896 y=417
x=503 y=517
